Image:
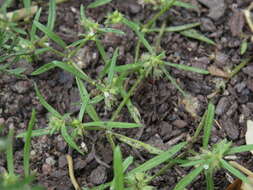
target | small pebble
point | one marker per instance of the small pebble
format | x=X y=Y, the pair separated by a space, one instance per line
x=179 y=123
x=50 y=160
x=98 y=175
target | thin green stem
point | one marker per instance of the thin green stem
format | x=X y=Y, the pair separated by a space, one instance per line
x=124 y=101
x=239 y=67
x=159 y=37
x=166 y=8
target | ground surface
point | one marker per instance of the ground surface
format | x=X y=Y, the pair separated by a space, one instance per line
x=166 y=121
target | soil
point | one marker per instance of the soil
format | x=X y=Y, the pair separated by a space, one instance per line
x=165 y=117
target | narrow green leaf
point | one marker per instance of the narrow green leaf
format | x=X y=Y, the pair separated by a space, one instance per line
x=92 y=112
x=42 y=50
x=188 y=178
x=134 y=26
x=98 y=3
x=118 y=169
x=35 y=133
x=144 y=42
x=9 y=152
x=69 y=139
x=111 y=124
x=128 y=67
x=192 y=163
x=103 y=54
x=27 y=4
x=158 y=159
x=51 y=15
x=127 y=162
x=243 y=47
x=112 y=66
x=173 y=81
x=112 y=30
x=97 y=99
x=86 y=104
x=209 y=180
x=184 y=5
x=194 y=34
x=44 y=69
x=174 y=28
x=233 y=170
x=27 y=148
x=46 y=105
x=238 y=149
x=187 y=68
x=73 y=69
x=50 y=34
x=134 y=112
x=34 y=28
x=85 y=97
x=17 y=71
x=138 y=144
x=208 y=124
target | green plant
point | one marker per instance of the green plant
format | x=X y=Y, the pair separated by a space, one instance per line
x=9 y=180
x=137 y=178
x=208 y=160
x=64 y=124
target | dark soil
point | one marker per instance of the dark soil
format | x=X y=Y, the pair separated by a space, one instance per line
x=166 y=120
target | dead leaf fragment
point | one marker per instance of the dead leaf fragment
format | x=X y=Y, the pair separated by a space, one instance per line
x=236 y=185
x=247 y=186
x=249 y=133
x=236 y=23
x=217 y=72
x=191 y=105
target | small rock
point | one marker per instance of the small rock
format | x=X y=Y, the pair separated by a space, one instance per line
x=98 y=176
x=50 y=161
x=240 y=86
x=62 y=161
x=79 y=163
x=216 y=8
x=250 y=85
x=21 y=87
x=230 y=128
x=236 y=23
x=222 y=106
x=207 y=25
x=61 y=144
x=66 y=78
x=46 y=169
x=246 y=111
x=179 y=123
x=248 y=70
x=166 y=128
x=250 y=106
x=156 y=141
x=232 y=109
x=134 y=8
x=221 y=58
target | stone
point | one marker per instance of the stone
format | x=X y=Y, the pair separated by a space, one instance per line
x=222 y=106
x=21 y=87
x=216 y=8
x=231 y=129
x=98 y=175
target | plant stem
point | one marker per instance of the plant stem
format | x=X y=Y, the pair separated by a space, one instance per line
x=166 y=8
x=124 y=101
x=71 y=172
